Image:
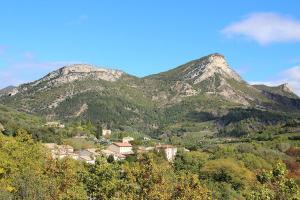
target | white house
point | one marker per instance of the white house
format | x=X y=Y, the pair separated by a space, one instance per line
x=127 y=139
x=106 y=132
x=169 y=150
x=121 y=148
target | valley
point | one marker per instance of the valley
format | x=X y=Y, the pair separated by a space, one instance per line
x=106 y=130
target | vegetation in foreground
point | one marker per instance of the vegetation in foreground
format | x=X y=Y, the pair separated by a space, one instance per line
x=249 y=170
x=258 y=162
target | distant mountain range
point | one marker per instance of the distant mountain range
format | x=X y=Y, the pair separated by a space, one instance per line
x=205 y=92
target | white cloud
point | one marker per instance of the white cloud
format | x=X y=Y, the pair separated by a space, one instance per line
x=290 y=76
x=266 y=28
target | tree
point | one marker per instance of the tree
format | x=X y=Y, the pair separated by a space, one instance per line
x=228 y=171
x=99 y=131
x=64 y=175
x=27 y=172
x=188 y=187
x=110 y=159
x=101 y=179
x=148 y=178
x=190 y=161
x=275 y=185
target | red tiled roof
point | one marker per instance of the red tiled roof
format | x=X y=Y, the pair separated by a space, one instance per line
x=122 y=144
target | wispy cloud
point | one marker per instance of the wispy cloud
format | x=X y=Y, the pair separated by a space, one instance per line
x=265 y=28
x=290 y=76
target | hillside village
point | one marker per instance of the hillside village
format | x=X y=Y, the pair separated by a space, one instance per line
x=117 y=150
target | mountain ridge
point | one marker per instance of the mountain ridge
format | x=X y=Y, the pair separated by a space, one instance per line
x=89 y=68
x=202 y=87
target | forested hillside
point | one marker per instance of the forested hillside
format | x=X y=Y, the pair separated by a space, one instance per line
x=202 y=91
x=232 y=140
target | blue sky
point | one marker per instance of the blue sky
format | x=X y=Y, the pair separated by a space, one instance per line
x=260 y=39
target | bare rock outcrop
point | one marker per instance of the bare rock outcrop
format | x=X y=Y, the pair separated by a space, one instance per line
x=74 y=72
x=214 y=64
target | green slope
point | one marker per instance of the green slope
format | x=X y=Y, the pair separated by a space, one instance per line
x=155 y=103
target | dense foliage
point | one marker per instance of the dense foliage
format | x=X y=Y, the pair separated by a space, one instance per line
x=223 y=171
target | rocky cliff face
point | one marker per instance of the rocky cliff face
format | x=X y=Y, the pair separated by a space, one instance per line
x=69 y=74
x=74 y=72
x=210 y=66
x=210 y=75
x=286 y=88
x=10 y=90
x=82 y=90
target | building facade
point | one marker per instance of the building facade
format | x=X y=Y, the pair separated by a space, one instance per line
x=121 y=148
x=169 y=151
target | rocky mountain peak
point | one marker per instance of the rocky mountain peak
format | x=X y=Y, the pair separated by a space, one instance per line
x=215 y=57
x=10 y=90
x=209 y=66
x=74 y=72
x=83 y=68
x=286 y=88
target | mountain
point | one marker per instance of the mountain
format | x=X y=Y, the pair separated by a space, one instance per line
x=7 y=90
x=210 y=75
x=282 y=90
x=204 y=92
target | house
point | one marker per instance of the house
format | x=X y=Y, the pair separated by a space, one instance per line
x=62 y=151
x=54 y=124
x=116 y=156
x=92 y=152
x=88 y=155
x=127 y=139
x=169 y=150
x=59 y=151
x=65 y=149
x=106 y=132
x=121 y=148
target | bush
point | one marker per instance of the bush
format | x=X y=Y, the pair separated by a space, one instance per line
x=228 y=171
